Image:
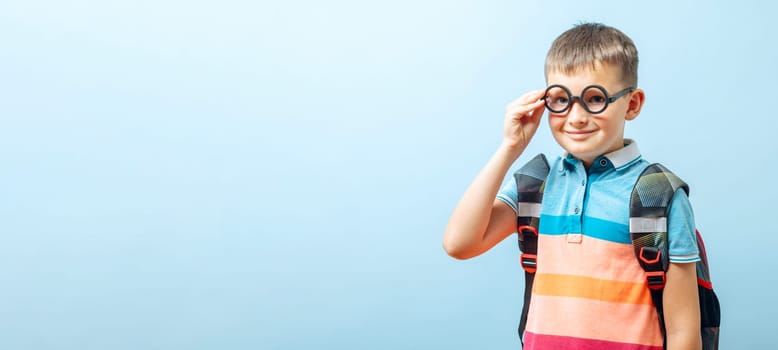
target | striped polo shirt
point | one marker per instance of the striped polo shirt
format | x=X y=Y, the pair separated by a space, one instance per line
x=589 y=291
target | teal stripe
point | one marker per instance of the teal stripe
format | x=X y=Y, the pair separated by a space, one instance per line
x=684 y=260
x=607 y=230
x=556 y=225
x=592 y=227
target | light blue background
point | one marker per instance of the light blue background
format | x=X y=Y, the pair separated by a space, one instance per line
x=242 y=175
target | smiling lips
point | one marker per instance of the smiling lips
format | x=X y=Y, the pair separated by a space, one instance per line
x=577 y=135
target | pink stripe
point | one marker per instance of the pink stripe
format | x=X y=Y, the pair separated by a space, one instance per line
x=534 y=341
x=591 y=257
x=593 y=319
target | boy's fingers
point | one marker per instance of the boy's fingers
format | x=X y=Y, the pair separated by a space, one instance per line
x=529 y=98
x=538 y=111
x=524 y=108
x=535 y=111
x=532 y=95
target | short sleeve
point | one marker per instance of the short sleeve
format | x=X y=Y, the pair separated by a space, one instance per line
x=509 y=194
x=682 y=230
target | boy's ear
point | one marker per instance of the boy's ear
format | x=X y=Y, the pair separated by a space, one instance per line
x=636 y=100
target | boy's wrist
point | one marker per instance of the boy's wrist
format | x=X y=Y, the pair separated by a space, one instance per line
x=511 y=151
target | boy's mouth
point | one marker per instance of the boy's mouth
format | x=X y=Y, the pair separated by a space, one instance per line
x=579 y=134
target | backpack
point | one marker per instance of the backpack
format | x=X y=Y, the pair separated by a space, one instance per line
x=649 y=208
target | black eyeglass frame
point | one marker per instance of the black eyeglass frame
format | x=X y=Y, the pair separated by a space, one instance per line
x=608 y=99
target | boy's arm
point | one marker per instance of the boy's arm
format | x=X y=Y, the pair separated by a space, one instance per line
x=682 y=308
x=479 y=221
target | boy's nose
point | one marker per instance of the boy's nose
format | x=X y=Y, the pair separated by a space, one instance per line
x=577 y=114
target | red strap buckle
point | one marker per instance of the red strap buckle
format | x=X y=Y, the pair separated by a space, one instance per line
x=651 y=260
x=529 y=262
x=648 y=260
x=655 y=279
x=531 y=229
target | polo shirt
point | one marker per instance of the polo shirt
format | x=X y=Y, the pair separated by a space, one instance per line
x=589 y=290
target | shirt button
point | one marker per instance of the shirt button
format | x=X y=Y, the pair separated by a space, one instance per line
x=576 y=210
x=603 y=162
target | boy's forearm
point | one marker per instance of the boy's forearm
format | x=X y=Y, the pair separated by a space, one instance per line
x=681 y=308
x=465 y=230
x=687 y=340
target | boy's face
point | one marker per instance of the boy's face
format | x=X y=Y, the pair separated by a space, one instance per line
x=583 y=134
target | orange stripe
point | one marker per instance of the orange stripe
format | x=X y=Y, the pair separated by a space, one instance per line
x=591 y=257
x=626 y=323
x=591 y=288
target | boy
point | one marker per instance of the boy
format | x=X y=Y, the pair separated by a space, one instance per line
x=589 y=290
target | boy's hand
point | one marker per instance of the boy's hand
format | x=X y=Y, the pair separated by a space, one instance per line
x=522 y=117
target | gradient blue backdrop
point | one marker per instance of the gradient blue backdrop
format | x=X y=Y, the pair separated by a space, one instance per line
x=243 y=175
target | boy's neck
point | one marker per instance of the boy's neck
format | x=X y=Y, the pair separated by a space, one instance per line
x=587 y=163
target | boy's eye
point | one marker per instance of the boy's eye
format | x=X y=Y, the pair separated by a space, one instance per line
x=596 y=99
x=557 y=98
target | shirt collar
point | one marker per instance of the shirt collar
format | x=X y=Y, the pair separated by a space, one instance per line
x=620 y=158
x=625 y=156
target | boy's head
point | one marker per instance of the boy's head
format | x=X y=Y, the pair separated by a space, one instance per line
x=589 y=44
x=591 y=72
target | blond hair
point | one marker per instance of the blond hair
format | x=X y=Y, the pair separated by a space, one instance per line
x=589 y=44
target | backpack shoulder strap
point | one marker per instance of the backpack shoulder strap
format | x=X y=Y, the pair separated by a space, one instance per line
x=648 y=210
x=530 y=183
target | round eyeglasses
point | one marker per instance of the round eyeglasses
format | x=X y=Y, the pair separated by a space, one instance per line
x=594 y=98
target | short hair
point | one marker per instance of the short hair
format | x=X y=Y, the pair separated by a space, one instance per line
x=590 y=44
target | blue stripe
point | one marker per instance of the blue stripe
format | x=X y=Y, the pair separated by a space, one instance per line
x=592 y=227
